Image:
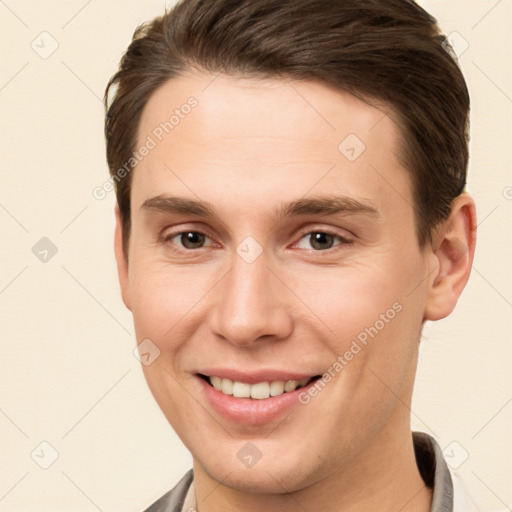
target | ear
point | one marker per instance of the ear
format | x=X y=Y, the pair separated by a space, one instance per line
x=122 y=260
x=452 y=253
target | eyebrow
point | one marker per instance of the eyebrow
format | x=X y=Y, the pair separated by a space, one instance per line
x=324 y=205
x=318 y=205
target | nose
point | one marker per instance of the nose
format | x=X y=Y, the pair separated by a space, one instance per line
x=252 y=304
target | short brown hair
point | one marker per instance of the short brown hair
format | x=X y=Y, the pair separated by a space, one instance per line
x=389 y=51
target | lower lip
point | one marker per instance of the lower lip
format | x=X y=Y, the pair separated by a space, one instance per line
x=250 y=411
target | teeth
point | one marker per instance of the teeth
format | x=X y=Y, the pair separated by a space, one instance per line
x=226 y=386
x=216 y=382
x=276 y=388
x=291 y=385
x=241 y=390
x=258 y=391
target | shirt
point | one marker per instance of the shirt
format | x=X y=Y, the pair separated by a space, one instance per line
x=448 y=492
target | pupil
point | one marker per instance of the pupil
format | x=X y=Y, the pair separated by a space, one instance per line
x=191 y=239
x=320 y=238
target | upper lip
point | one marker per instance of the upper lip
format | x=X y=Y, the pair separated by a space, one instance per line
x=253 y=377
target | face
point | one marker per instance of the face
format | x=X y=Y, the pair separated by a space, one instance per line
x=273 y=245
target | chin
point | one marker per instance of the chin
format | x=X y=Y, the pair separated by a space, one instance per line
x=273 y=473
x=263 y=479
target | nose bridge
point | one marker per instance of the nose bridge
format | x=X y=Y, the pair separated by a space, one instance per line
x=251 y=302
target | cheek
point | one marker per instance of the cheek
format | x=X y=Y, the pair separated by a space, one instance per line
x=163 y=307
x=162 y=297
x=349 y=300
x=370 y=319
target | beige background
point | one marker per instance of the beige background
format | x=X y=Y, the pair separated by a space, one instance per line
x=67 y=372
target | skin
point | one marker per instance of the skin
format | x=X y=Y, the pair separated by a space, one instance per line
x=247 y=147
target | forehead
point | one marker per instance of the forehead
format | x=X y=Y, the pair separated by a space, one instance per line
x=266 y=132
x=305 y=109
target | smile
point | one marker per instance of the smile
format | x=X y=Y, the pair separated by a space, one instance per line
x=259 y=390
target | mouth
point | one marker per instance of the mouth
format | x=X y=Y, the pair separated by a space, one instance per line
x=256 y=391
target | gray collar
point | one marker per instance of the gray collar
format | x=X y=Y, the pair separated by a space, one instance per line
x=434 y=471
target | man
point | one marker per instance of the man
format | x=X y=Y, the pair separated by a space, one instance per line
x=291 y=210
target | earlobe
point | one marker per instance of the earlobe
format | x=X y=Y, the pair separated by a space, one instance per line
x=121 y=260
x=453 y=252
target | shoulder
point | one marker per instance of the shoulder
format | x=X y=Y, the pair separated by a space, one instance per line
x=173 y=500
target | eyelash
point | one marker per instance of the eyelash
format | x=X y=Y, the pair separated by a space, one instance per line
x=343 y=240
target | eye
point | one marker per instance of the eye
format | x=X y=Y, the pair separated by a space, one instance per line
x=321 y=240
x=188 y=239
